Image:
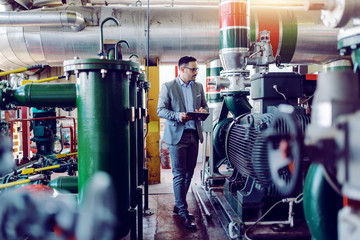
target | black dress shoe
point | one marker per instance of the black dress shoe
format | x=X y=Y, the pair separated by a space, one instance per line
x=176 y=211
x=188 y=223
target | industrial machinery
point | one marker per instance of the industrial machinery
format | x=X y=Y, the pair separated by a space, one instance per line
x=241 y=135
x=112 y=116
x=109 y=96
x=331 y=138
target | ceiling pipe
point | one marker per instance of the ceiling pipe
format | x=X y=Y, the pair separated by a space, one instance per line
x=47 y=3
x=68 y=19
x=175 y=3
x=174 y=32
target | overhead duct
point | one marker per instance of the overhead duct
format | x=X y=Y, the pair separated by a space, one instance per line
x=47 y=3
x=174 y=32
x=175 y=3
x=67 y=19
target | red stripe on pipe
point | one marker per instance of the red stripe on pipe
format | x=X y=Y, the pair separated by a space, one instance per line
x=233 y=14
x=311 y=77
x=269 y=22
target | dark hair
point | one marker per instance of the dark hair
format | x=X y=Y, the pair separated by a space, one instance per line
x=185 y=60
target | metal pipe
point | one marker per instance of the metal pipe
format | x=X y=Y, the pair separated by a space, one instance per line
x=68 y=183
x=262 y=3
x=301 y=36
x=117 y=49
x=44 y=95
x=234 y=19
x=70 y=19
x=206 y=211
x=102 y=53
x=133 y=139
x=47 y=3
x=140 y=214
x=146 y=189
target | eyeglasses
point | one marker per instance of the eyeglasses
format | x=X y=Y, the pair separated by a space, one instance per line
x=193 y=69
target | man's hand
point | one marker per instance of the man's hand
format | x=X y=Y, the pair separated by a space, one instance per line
x=184 y=117
x=202 y=110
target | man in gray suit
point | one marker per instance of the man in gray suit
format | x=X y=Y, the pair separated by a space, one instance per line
x=182 y=133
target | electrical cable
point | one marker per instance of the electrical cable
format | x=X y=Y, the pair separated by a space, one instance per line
x=282 y=94
x=297 y=200
x=257 y=221
x=307 y=99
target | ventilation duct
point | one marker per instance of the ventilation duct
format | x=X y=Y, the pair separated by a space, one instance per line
x=174 y=32
x=64 y=19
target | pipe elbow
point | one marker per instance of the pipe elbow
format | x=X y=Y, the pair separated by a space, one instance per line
x=74 y=20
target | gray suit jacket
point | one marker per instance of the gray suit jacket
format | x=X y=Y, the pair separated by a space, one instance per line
x=172 y=102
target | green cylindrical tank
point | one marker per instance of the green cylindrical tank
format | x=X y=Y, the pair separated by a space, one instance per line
x=45 y=95
x=321 y=205
x=103 y=118
x=67 y=183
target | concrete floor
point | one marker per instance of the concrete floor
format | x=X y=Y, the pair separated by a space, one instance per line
x=164 y=225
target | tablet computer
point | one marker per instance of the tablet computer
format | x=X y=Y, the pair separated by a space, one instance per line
x=198 y=115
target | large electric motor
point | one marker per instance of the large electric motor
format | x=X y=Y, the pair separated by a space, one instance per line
x=247 y=150
x=245 y=138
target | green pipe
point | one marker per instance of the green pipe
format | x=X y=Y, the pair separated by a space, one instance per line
x=236 y=102
x=103 y=120
x=321 y=205
x=67 y=183
x=41 y=95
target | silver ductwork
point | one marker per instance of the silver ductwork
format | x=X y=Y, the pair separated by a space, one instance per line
x=63 y=19
x=174 y=32
x=47 y=3
x=175 y=3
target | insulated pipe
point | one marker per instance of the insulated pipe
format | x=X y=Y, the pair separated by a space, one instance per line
x=73 y=20
x=213 y=96
x=296 y=36
x=46 y=3
x=174 y=32
x=213 y=70
x=261 y=3
x=234 y=19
